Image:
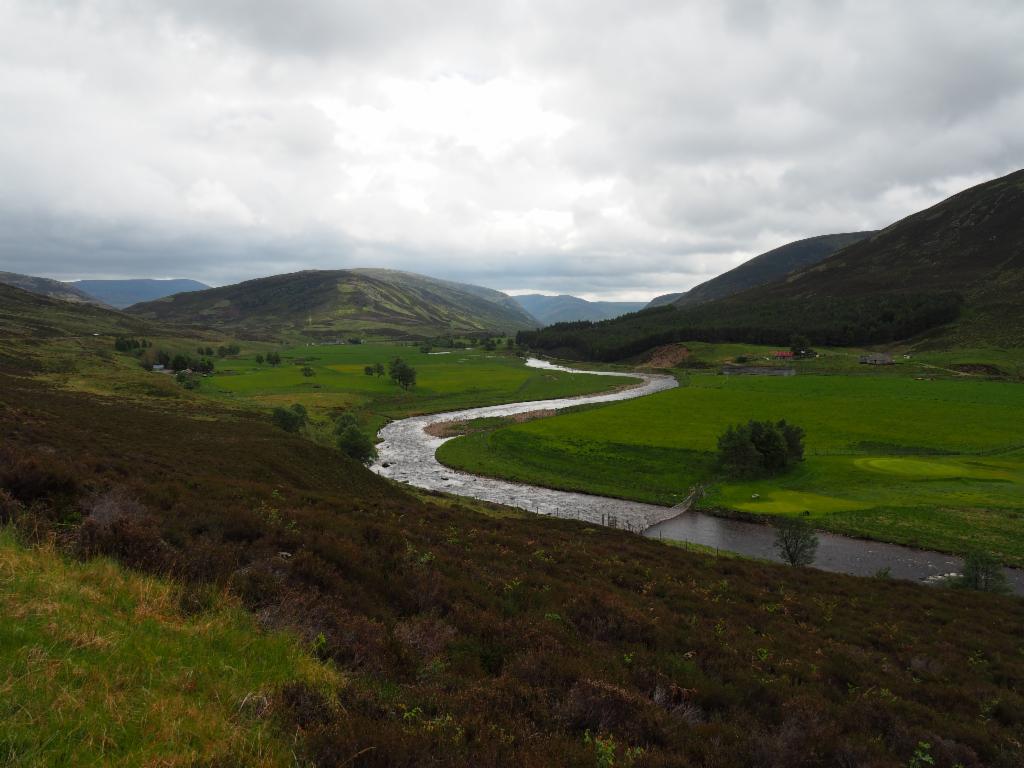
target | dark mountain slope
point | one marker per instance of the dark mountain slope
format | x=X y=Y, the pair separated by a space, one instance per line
x=768 y=267
x=339 y=302
x=43 y=286
x=564 y=308
x=954 y=272
x=124 y=293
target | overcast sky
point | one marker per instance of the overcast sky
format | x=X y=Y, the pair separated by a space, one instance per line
x=609 y=149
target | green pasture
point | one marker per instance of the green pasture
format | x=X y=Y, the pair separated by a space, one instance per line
x=446 y=380
x=887 y=456
x=907 y=360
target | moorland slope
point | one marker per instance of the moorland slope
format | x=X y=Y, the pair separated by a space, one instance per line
x=26 y=315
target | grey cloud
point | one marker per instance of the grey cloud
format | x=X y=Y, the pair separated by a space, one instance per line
x=596 y=147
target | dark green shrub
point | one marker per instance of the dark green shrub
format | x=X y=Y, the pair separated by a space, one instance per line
x=760 y=447
x=290 y=419
x=356 y=445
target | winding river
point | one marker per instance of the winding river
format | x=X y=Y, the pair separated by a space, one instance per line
x=407 y=454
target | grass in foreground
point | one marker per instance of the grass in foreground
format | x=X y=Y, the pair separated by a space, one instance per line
x=932 y=463
x=100 y=667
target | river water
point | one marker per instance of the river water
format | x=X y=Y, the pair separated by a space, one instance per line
x=406 y=453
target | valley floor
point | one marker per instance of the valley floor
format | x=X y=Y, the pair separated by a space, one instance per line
x=460 y=635
x=932 y=462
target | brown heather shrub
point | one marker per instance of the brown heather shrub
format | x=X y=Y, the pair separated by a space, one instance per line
x=258 y=584
x=36 y=478
x=305 y=706
x=601 y=707
x=426 y=637
x=135 y=541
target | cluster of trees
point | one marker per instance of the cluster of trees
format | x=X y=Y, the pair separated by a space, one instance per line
x=830 y=321
x=222 y=351
x=401 y=373
x=348 y=437
x=175 y=362
x=760 y=448
x=182 y=362
x=451 y=341
x=272 y=358
x=126 y=344
x=188 y=379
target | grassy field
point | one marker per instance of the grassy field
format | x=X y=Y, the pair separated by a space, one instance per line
x=931 y=462
x=99 y=666
x=908 y=361
x=446 y=380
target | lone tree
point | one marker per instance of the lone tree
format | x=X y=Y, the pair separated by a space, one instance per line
x=273 y=358
x=308 y=371
x=760 y=447
x=379 y=369
x=368 y=370
x=259 y=359
x=983 y=573
x=795 y=541
x=356 y=445
x=403 y=374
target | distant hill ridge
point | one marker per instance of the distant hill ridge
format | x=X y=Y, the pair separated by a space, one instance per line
x=952 y=274
x=124 y=293
x=565 y=308
x=44 y=286
x=334 y=303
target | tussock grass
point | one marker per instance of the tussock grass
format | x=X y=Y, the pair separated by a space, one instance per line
x=99 y=666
